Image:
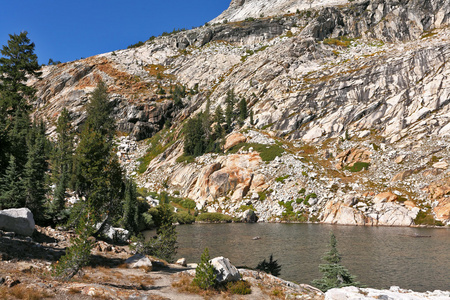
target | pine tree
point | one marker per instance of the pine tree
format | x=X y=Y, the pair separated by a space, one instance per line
x=252 y=122
x=34 y=177
x=99 y=112
x=195 y=136
x=271 y=267
x=62 y=157
x=11 y=188
x=334 y=274
x=229 y=109
x=17 y=63
x=242 y=111
x=205 y=277
x=131 y=208
x=97 y=175
x=78 y=254
x=218 y=119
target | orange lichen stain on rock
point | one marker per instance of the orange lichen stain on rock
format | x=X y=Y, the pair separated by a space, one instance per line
x=89 y=81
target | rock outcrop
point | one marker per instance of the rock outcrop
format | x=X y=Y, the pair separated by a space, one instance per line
x=18 y=220
x=394 y=293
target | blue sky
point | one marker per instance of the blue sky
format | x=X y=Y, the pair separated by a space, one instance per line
x=68 y=30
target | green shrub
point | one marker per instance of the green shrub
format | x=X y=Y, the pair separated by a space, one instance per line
x=302 y=191
x=240 y=287
x=262 y=195
x=185 y=159
x=157 y=146
x=184 y=218
x=138 y=44
x=358 y=166
x=213 y=217
x=188 y=203
x=282 y=178
x=299 y=200
x=247 y=207
x=424 y=218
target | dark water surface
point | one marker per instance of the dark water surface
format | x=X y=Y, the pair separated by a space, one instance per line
x=380 y=256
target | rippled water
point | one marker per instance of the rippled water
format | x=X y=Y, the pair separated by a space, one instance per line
x=380 y=256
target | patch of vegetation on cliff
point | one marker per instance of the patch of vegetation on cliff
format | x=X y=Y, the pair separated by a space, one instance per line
x=289 y=215
x=425 y=218
x=282 y=178
x=267 y=152
x=358 y=166
x=214 y=218
x=158 y=144
x=342 y=41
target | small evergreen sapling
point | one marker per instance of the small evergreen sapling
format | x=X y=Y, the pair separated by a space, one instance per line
x=205 y=277
x=334 y=274
x=78 y=254
x=271 y=267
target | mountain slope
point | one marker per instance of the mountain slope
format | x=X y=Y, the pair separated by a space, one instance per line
x=360 y=86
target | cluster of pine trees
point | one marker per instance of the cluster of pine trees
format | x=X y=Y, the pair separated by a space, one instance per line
x=205 y=132
x=38 y=173
x=30 y=163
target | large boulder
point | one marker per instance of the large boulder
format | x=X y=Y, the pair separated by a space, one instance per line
x=234 y=139
x=115 y=234
x=225 y=270
x=139 y=261
x=249 y=216
x=18 y=220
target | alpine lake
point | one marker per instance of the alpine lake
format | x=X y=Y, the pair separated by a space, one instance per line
x=380 y=257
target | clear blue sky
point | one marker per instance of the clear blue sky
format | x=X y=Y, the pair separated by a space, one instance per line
x=68 y=30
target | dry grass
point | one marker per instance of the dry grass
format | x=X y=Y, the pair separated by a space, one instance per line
x=73 y=290
x=22 y=292
x=185 y=285
x=277 y=293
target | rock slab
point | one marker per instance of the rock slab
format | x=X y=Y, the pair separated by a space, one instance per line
x=394 y=293
x=18 y=220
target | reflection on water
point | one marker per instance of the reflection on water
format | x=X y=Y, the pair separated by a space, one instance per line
x=380 y=256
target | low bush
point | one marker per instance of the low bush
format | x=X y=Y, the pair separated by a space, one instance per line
x=247 y=207
x=184 y=218
x=282 y=178
x=240 y=287
x=358 y=166
x=424 y=218
x=213 y=217
x=262 y=196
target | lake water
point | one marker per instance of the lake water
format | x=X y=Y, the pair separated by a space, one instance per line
x=380 y=256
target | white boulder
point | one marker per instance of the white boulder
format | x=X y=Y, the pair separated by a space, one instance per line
x=226 y=271
x=18 y=220
x=139 y=261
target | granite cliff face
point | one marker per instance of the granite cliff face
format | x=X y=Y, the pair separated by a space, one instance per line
x=356 y=94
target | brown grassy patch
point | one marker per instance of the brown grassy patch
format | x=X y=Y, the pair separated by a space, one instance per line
x=277 y=293
x=22 y=292
x=73 y=290
x=185 y=285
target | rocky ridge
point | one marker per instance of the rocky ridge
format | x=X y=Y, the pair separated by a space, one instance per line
x=355 y=95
